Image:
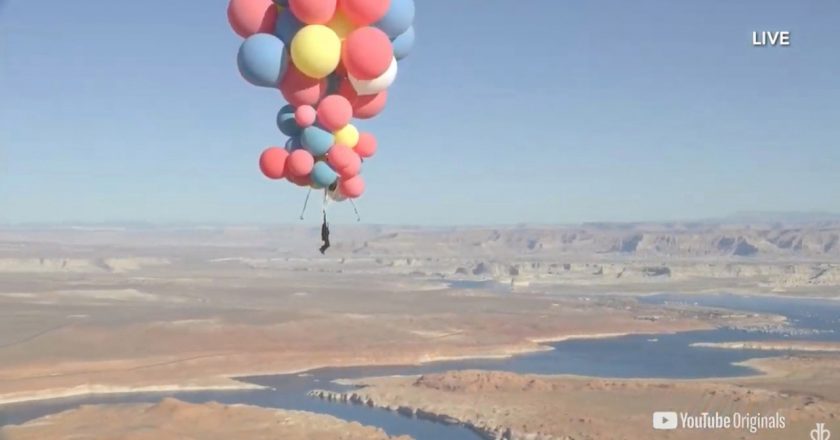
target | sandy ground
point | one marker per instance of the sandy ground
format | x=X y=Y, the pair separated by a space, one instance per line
x=172 y=419
x=804 y=390
x=198 y=334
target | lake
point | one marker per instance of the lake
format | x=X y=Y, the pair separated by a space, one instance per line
x=660 y=356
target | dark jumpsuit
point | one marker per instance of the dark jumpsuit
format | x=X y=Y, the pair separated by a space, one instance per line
x=325 y=235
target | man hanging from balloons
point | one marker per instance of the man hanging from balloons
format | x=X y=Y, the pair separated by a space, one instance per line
x=332 y=60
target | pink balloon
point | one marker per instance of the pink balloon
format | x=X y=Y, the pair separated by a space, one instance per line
x=313 y=11
x=299 y=163
x=300 y=180
x=273 y=162
x=352 y=187
x=367 y=53
x=365 y=106
x=334 y=112
x=367 y=145
x=249 y=17
x=305 y=115
x=299 y=89
x=365 y=12
x=339 y=157
x=353 y=168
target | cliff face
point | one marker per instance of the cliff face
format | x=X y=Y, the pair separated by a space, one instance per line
x=508 y=406
x=672 y=241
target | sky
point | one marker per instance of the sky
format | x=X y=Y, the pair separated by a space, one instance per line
x=537 y=111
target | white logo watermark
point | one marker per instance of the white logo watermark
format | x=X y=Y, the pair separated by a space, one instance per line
x=752 y=423
x=820 y=432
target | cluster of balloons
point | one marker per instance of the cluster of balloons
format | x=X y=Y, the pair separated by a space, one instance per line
x=332 y=60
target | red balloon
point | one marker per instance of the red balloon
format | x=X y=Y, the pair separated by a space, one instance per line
x=273 y=162
x=299 y=89
x=366 y=146
x=300 y=180
x=313 y=11
x=334 y=112
x=352 y=187
x=364 y=106
x=249 y=17
x=305 y=115
x=365 y=12
x=339 y=157
x=367 y=53
x=299 y=163
x=353 y=168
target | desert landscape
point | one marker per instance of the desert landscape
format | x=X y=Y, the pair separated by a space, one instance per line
x=511 y=406
x=94 y=310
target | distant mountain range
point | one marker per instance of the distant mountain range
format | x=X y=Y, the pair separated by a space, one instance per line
x=745 y=218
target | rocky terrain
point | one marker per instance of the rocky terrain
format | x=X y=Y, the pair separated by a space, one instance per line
x=758 y=258
x=509 y=406
x=175 y=420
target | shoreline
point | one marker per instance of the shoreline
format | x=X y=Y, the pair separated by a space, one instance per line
x=242 y=385
x=784 y=346
x=104 y=390
x=529 y=346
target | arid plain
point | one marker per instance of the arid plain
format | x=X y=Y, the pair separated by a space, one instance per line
x=122 y=309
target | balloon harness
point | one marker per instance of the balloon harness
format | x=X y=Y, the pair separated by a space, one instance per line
x=325 y=228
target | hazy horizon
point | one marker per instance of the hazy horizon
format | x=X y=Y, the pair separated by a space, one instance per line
x=745 y=218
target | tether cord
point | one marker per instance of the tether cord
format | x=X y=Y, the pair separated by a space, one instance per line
x=305 y=203
x=356 y=210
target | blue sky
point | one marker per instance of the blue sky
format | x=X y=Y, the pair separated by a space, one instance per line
x=542 y=111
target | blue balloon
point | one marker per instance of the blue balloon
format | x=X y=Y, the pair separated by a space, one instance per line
x=316 y=140
x=322 y=175
x=261 y=60
x=294 y=143
x=403 y=44
x=398 y=19
x=283 y=3
x=286 y=121
x=287 y=26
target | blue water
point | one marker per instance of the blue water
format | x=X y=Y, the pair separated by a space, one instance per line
x=660 y=356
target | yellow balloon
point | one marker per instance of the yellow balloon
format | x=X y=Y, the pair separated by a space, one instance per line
x=341 y=25
x=316 y=51
x=348 y=135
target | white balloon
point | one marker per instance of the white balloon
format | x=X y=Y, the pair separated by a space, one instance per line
x=336 y=195
x=376 y=85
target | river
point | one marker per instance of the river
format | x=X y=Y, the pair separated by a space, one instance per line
x=659 y=356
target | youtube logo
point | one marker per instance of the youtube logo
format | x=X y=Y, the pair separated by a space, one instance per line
x=665 y=420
